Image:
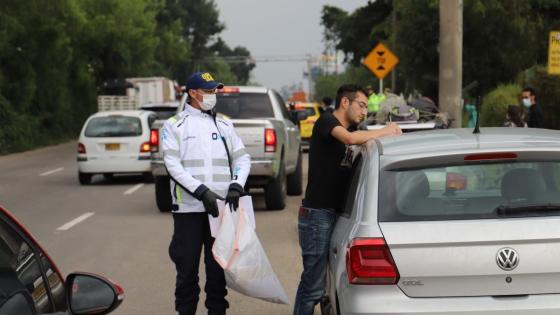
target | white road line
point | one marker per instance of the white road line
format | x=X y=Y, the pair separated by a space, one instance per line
x=133 y=189
x=52 y=172
x=77 y=220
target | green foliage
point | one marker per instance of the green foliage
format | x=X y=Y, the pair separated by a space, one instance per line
x=55 y=54
x=241 y=68
x=327 y=85
x=547 y=88
x=355 y=34
x=500 y=38
x=494 y=105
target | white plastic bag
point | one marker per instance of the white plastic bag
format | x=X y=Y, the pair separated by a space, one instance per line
x=245 y=202
x=238 y=251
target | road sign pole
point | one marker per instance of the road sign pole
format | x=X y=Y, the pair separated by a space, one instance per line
x=380 y=86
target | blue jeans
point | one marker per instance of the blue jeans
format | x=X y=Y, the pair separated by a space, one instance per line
x=315 y=228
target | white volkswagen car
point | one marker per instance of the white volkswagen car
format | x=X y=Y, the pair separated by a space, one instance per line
x=115 y=142
x=450 y=222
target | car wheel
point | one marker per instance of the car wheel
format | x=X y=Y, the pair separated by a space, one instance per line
x=163 y=193
x=84 y=178
x=275 y=191
x=108 y=176
x=295 y=180
x=148 y=177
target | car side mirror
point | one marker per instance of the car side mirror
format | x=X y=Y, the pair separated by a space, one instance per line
x=301 y=115
x=91 y=294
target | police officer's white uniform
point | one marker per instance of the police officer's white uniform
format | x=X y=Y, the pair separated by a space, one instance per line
x=195 y=156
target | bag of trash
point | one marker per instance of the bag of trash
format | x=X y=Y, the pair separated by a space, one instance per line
x=239 y=252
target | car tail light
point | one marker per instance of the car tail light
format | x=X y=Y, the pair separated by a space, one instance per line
x=269 y=140
x=145 y=147
x=154 y=140
x=369 y=261
x=81 y=148
x=228 y=90
x=491 y=156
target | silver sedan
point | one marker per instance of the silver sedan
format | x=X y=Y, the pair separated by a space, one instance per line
x=449 y=222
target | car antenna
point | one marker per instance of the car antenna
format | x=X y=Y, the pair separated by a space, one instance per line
x=477 y=124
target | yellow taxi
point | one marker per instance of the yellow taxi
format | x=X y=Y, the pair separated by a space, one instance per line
x=306 y=126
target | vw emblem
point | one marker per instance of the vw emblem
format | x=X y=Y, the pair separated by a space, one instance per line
x=507 y=259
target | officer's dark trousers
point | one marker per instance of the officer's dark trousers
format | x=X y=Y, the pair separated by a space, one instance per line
x=192 y=231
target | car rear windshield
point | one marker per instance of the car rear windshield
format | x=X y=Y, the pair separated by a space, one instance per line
x=483 y=191
x=162 y=112
x=245 y=105
x=114 y=126
x=309 y=110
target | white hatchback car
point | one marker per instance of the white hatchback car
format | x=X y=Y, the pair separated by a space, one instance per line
x=115 y=142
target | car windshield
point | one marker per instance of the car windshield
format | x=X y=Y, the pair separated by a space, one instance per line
x=309 y=110
x=483 y=191
x=114 y=126
x=244 y=105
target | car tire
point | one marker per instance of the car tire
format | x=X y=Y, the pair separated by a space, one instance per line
x=148 y=177
x=84 y=178
x=163 y=193
x=275 y=191
x=295 y=180
x=108 y=176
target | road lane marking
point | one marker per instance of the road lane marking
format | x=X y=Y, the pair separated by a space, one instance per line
x=77 y=220
x=133 y=189
x=52 y=172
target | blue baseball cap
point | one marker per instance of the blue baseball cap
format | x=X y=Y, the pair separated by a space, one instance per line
x=203 y=80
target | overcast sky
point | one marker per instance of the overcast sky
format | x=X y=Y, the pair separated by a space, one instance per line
x=277 y=28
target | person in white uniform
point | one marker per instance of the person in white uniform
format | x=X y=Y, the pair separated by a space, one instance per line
x=207 y=161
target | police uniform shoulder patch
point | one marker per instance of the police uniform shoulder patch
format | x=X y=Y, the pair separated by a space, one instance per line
x=174 y=119
x=223 y=121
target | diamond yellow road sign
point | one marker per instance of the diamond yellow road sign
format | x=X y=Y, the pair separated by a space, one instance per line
x=554 y=53
x=380 y=61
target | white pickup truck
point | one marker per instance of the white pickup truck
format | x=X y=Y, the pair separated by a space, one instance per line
x=269 y=134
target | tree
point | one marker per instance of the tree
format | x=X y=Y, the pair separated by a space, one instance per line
x=240 y=66
x=501 y=38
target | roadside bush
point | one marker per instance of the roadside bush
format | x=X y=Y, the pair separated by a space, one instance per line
x=547 y=88
x=16 y=132
x=495 y=103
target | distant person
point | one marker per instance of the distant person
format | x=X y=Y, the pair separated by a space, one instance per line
x=330 y=162
x=529 y=99
x=513 y=117
x=471 y=110
x=326 y=105
x=374 y=100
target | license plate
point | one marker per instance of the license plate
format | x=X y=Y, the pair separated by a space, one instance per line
x=112 y=146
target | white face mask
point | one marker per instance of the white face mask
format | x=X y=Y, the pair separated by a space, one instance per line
x=527 y=102
x=208 y=101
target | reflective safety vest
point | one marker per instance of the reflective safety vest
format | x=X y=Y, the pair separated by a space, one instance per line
x=373 y=102
x=195 y=156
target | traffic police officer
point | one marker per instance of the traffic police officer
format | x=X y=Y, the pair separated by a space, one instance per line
x=206 y=161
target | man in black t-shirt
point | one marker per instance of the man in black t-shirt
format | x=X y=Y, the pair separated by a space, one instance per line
x=330 y=160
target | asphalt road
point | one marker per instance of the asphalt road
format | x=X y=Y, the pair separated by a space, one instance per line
x=113 y=228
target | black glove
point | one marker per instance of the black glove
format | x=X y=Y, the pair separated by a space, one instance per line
x=209 y=201
x=234 y=192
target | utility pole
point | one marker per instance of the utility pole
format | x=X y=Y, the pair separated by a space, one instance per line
x=451 y=59
x=394 y=46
